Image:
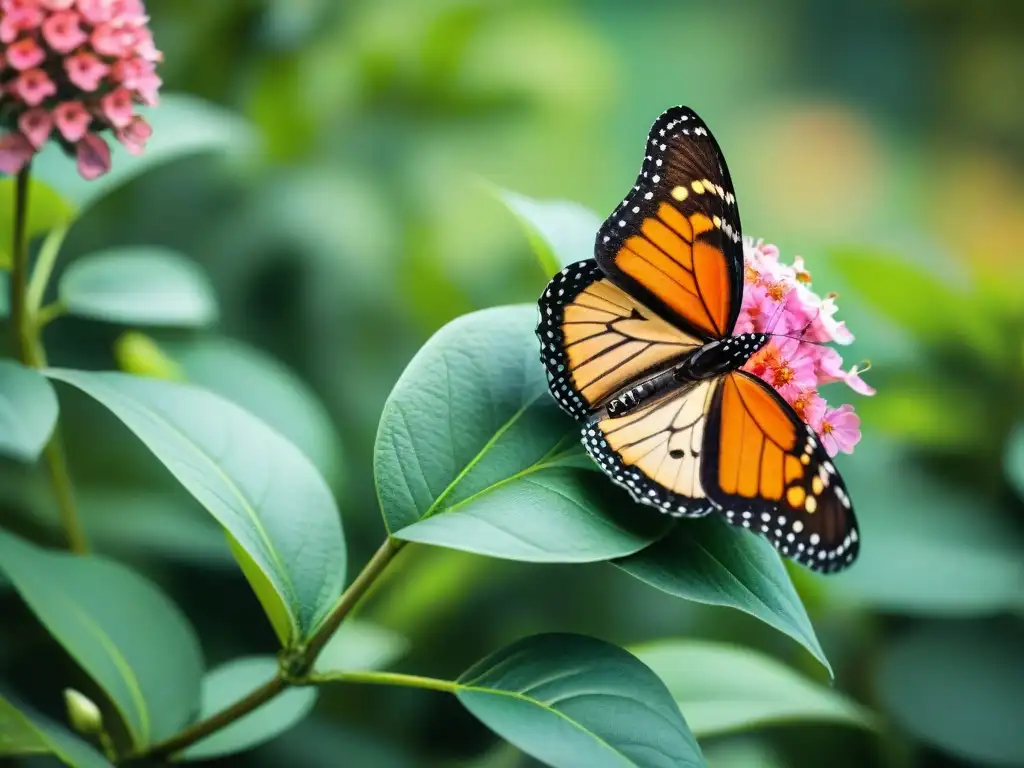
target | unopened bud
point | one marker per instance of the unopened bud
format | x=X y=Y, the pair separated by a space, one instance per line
x=83 y=714
x=140 y=354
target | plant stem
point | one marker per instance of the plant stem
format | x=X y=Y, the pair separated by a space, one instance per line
x=186 y=738
x=25 y=301
x=351 y=597
x=389 y=678
x=303 y=662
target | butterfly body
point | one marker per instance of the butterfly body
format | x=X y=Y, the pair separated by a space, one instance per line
x=639 y=348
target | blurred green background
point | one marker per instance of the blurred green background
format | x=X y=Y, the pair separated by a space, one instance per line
x=883 y=141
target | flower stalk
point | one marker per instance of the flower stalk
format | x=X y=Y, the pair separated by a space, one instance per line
x=25 y=298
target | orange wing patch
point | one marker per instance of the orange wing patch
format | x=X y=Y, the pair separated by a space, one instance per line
x=596 y=339
x=756 y=440
x=690 y=275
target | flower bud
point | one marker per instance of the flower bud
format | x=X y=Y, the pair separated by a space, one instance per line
x=83 y=714
x=140 y=354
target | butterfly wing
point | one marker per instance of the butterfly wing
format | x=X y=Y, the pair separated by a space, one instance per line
x=655 y=452
x=595 y=339
x=675 y=243
x=768 y=472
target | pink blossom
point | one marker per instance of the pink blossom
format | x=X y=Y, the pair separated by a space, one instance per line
x=839 y=430
x=82 y=67
x=135 y=135
x=93 y=156
x=63 y=31
x=110 y=39
x=25 y=54
x=86 y=71
x=33 y=87
x=117 y=107
x=72 y=120
x=36 y=125
x=15 y=152
x=17 y=17
x=778 y=300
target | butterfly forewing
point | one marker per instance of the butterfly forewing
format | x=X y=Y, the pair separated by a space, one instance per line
x=656 y=451
x=675 y=241
x=769 y=473
x=595 y=339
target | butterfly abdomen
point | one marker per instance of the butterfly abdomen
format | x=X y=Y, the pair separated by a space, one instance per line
x=720 y=356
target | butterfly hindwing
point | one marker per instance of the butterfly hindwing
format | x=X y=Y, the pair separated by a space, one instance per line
x=675 y=241
x=596 y=340
x=655 y=452
x=768 y=472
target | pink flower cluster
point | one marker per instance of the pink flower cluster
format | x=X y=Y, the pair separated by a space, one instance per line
x=72 y=69
x=777 y=299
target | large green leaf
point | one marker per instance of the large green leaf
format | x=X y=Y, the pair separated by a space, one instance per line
x=23 y=732
x=182 y=125
x=139 y=285
x=560 y=232
x=281 y=519
x=267 y=389
x=910 y=525
x=1014 y=461
x=46 y=210
x=722 y=688
x=712 y=562
x=122 y=630
x=577 y=702
x=225 y=685
x=959 y=687
x=28 y=411
x=472 y=453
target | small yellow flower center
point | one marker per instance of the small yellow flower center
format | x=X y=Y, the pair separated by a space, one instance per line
x=826 y=428
x=777 y=290
x=783 y=375
x=750 y=274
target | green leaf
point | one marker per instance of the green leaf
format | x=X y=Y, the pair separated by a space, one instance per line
x=23 y=732
x=139 y=285
x=46 y=210
x=1014 y=462
x=722 y=688
x=28 y=411
x=267 y=389
x=909 y=526
x=228 y=683
x=5 y=294
x=281 y=519
x=121 y=629
x=182 y=125
x=469 y=453
x=960 y=688
x=560 y=232
x=360 y=646
x=573 y=701
x=712 y=562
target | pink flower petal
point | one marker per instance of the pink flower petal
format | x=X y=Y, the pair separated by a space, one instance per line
x=93 y=157
x=33 y=87
x=72 y=119
x=25 y=54
x=85 y=71
x=135 y=136
x=36 y=125
x=62 y=31
x=15 y=152
x=118 y=107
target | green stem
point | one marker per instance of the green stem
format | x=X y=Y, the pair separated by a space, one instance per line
x=350 y=599
x=301 y=663
x=186 y=738
x=388 y=678
x=25 y=321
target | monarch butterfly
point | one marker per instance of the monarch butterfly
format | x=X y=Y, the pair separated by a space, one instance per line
x=638 y=347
